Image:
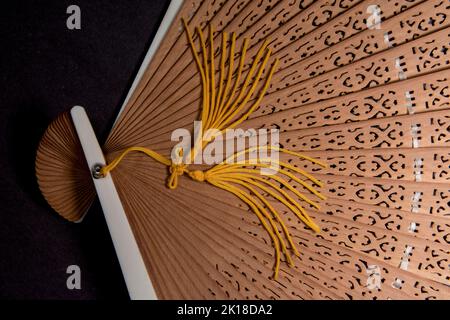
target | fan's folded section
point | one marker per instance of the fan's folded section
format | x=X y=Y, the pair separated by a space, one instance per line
x=61 y=170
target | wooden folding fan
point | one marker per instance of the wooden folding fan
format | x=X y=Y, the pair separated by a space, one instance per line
x=360 y=205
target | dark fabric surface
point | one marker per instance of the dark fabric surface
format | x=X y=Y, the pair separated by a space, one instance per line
x=45 y=69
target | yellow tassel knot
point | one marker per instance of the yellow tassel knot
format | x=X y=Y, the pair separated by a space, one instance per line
x=198 y=175
x=175 y=170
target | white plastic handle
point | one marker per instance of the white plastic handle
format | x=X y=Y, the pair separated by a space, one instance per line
x=133 y=268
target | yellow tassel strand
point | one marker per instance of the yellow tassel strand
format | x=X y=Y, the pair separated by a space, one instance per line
x=226 y=107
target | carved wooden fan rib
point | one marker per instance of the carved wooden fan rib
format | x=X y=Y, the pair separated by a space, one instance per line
x=373 y=103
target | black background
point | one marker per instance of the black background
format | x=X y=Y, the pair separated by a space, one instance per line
x=45 y=69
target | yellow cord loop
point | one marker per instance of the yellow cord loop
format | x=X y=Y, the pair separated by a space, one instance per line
x=175 y=170
x=226 y=108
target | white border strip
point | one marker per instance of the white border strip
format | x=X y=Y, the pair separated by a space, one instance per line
x=133 y=268
x=170 y=15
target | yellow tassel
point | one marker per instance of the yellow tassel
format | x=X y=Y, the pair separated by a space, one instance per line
x=224 y=109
